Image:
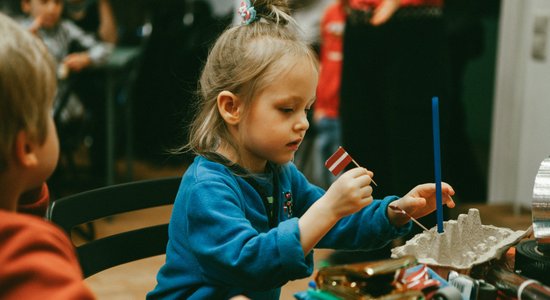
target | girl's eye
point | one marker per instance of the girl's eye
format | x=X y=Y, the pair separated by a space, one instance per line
x=286 y=110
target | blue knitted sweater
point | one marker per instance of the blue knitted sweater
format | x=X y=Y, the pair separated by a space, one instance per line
x=221 y=245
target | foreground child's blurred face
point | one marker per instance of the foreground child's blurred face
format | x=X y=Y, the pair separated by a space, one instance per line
x=48 y=10
x=50 y=150
x=48 y=154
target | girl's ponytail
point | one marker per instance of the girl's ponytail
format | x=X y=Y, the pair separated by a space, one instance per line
x=271 y=11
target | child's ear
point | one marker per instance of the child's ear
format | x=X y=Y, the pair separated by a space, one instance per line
x=25 y=149
x=230 y=107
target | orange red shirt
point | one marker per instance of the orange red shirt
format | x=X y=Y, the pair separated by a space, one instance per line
x=37 y=260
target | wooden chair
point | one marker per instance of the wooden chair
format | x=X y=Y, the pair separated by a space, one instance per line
x=104 y=253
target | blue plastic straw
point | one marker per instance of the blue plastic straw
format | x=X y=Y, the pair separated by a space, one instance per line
x=437 y=164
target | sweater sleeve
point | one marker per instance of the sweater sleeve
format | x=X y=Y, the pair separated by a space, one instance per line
x=367 y=229
x=38 y=262
x=230 y=250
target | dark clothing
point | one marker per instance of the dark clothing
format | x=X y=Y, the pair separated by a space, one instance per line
x=390 y=74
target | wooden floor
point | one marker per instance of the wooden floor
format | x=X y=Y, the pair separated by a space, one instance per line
x=134 y=280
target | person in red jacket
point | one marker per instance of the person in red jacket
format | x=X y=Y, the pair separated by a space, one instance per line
x=37 y=259
x=325 y=112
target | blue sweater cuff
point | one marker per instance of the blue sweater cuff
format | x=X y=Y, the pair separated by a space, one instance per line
x=392 y=230
x=291 y=252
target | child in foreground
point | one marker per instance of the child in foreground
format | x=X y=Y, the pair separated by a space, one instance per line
x=245 y=220
x=37 y=260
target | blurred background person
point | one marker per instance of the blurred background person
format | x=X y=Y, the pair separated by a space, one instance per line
x=326 y=108
x=80 y=94
x=395 y=60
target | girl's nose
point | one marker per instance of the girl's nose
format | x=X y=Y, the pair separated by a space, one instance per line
x=302 y=124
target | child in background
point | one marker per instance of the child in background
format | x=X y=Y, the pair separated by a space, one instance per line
x=325 y=109
x=44 y=20
x=37 y=260
x=79 y=98
x=245 y=220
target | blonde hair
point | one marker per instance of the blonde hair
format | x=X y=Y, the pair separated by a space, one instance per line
x=244 y=60
x=27 y=86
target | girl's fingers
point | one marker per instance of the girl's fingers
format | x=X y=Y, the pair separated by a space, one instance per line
x=366 y=191
x=414 y=203
x=449 y=202
x=366 y=201
x=357 y=172
x=447 y=188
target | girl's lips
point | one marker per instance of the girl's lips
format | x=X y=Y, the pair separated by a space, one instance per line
x=294 y=145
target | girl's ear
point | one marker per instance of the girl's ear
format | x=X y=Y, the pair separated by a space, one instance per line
x=25 y=150
x=230 y=107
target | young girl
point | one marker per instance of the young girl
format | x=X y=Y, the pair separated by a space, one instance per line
x=245 y=220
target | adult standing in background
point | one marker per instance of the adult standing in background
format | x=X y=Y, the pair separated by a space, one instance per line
x=395 y=61
x=466 y=38
x=326 y=117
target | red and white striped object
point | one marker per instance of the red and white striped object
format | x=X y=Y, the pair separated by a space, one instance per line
x=338 y=161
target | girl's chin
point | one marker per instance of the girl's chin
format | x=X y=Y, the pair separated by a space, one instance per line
x=284 y=160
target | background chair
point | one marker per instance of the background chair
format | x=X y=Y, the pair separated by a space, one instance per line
x=104 y=253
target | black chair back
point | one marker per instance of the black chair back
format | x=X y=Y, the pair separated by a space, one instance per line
x=104 y=253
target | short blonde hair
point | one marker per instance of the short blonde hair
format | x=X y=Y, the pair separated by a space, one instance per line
x=244 y=60
x=27 y=86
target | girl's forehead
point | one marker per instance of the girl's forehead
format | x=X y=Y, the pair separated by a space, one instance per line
x=290 y=63
x=292 y=80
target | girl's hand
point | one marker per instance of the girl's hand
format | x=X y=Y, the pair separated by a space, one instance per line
x=349 y=193
x=419 y=202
